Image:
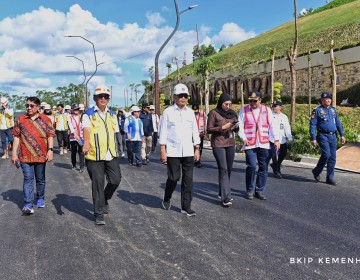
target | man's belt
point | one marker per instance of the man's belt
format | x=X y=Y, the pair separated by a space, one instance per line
x=329 y=132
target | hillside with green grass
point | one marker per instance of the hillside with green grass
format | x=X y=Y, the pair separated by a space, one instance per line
x=316 y=30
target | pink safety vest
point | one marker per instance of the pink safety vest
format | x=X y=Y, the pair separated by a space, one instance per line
x=201 y=123
x=76 y=125
x=256 y=128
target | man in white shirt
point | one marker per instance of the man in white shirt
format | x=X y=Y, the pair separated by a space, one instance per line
x=156 y=122
x=256 y=127
x=178 y=136
x=6 y=124
x=285 y=132
x=100 y=126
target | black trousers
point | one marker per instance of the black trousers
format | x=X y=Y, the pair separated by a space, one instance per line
x=77 y=149
x=278 y=157
x=62 y=137
x=154 y=141
x=175 y=167
x=224 y=158
x=98 y=170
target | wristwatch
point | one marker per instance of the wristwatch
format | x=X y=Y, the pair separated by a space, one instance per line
x=51 y=149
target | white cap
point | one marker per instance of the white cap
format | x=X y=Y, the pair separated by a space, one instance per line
x=81 y=106
x=54 y=107
x=181 y=88
x=102 y=90
x=152 y=107
x=43 y=104
x=4 y=100
x=135 y=109
x=47 y=107
x=67 y=107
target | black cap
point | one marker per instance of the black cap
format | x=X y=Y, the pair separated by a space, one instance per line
x=195 y=106
x=277 y=103
x=254 y=95
x=326 y=95
x=145 y=104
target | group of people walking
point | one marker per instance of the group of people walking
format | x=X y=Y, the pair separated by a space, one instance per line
x=99 y=136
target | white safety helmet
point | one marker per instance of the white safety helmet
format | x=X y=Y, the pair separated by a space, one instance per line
x=67 y=107
x=181 y=88
x=102 y=90
x=135 y=109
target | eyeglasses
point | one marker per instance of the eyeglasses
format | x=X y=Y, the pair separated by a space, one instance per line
x=30 y=105
x=103 y=96
x=183 y=95
x=227 y=104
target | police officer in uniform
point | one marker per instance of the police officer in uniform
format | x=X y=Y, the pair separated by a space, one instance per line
x=326 y=122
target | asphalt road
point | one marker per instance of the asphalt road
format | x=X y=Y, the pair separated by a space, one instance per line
x=315 y=222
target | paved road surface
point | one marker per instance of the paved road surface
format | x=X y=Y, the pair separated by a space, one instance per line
x=251 y=240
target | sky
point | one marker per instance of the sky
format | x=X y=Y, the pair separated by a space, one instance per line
x=126 y=36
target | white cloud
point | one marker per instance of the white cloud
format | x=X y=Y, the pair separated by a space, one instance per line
x=154 y=19
x=33 y=48
x=231 y=33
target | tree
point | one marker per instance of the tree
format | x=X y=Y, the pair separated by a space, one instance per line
x=168 y=65
x=292 y=56
x=223 y=47
x=333 y=71
x=202 y=69
x=277 y=91
x=205 y=51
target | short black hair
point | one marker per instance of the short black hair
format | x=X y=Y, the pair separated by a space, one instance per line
x=61 y=105
x=33 y=99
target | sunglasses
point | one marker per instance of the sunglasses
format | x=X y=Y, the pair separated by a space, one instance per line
x=103 y=96
x=252 y=100
x=183 y=95
x=30 y=105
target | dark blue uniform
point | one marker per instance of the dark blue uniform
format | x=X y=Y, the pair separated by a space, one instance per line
x=324 y=124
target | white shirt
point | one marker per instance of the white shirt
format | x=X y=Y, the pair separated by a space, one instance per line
x=273 y=128
x=7 y=111
x=72 y=129
x=178 y=131
x=87 y=124
x=139 y=129
x=155 y=121
x=284 y=128
x=60 y=123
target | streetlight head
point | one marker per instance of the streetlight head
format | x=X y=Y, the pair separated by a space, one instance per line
x=193 y=6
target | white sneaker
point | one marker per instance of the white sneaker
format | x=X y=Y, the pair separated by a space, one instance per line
x=122 y=155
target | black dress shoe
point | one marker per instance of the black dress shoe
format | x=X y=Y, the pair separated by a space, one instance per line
x=330 y=182
x=316 y=176
x=260 y=196
x=277 y=175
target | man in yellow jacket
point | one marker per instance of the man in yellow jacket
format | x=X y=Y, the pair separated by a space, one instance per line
x=100 y=127
x=6 y=124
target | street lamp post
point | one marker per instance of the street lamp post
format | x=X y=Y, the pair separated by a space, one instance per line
x=157 y=85
x=83 y=69
x=96 y=65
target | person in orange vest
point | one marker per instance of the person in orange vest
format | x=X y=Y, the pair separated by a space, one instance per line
x=201 y=124
x=256 y=123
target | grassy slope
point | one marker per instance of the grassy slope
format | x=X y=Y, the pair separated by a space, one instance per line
x=315 y=32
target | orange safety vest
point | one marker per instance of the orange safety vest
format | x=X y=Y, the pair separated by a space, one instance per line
x=201 y=122
x=256 y=128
